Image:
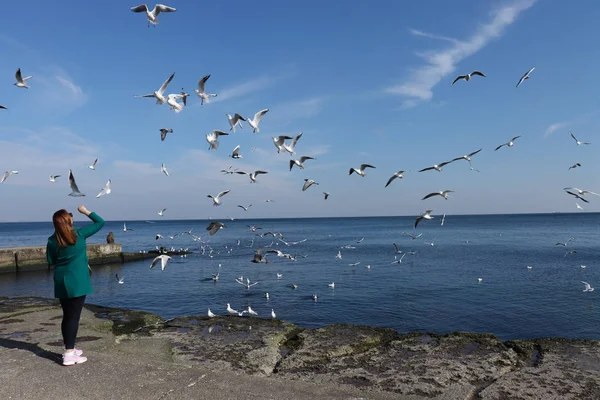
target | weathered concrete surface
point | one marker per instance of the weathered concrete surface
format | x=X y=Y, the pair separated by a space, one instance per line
x=137 y=355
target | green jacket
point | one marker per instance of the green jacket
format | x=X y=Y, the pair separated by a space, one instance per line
x=71 y=274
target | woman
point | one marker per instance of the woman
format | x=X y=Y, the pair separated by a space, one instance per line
x=66 y=251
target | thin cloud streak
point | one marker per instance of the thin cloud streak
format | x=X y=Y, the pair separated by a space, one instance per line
x=418 y=86
x=554 y=127
x=251 y=86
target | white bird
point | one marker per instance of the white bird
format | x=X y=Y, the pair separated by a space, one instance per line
x=413 y=237
x=125 y=229
x=308 y=183
x=326 y=195
x=339 y=255
x=361 y=170
x=526 y=76
x=479 y=280
x=427 y=215
x=21 y=82
x=279 y=276
x=582 y=266
x=152 y=15
x=252 y=175
x=163 y=133
x=163 y=169
x=159 y=95
x=397 y=175
x=244 y=208
x=582 y=191
x=7 y=174
x=256 y=120
x=529 y=267
x=163 y=259
x=74 y=189
x=280 y=141
x=443 y=193
x=467 y=77
x=162 y=212
x=314 y=297
x=290 y=148
x=267 y=295
x=120 y=280
x=104 y=191
x=467 y=157
x=173 y=101
x=577 y=141
x=236 y=153
x=213 y=139
x=588 y=287
x=217 y=199
x=231 y=310
x=332 y=285
x=579 y=207
x=235 y=120
x=250 y=311
x=300 y=162
x=510 y=143
x=273 y=314
x=201 y=91
x=93 y=166
x=437 y=167
x=211 y=314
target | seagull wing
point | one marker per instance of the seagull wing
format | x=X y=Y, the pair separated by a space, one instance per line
x=259 y=115
x=164 y=85
x=260 y=172
x=504 y=144
x=162 y=8
x=18 y=76
x=426 y=169
x=587 y=285
x=220 y=133
x=418 y=220
x=104 y=191
x=457 y=79
x=304 y=158
x=477 y=73
x=515 y=138
x=363 y=166
x=473 y=153
x=72 y=183
x=391 y=180
x=236 y=151
x=202 y=83
x=140 y=8
x=223 y=193
x=431 y=195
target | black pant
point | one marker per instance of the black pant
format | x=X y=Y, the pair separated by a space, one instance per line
x=70 y=322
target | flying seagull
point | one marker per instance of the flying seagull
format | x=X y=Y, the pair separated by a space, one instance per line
x=163 y=259
x=427 y=215
x=361 y=170
x=413 y=237
x=236 y=153
x=74 y=189
x=577 y=141
x=256 y=120
x=120 y=280
x=93 y=166
x=526 y=76
x=467 y=77
x=21 y=82
x=252 y=175
x=163 y=133
x=259 y=258
x=244 y=208
x=443 y=194
x=290 y=148
x=280 y=141
x=7 y=174
x=588 y=287
x=235 y=120
x=162 y=212
x=53 y=178
x=510 y=143
x=159 y=94
x=468 y=157
x=214 y=227
x=3 y=107
x=308 y=183
x=163 y=169
x=565 y=243
x=201 y=91
x=582 y=191
x=213 y=139
x=173 y=101
x=217 y=199
x=437 y=167
x=300 y=162
x=575 y=165
x=104 y=191
x=326 y=195
x=577 y=196
x=152 y=15
x=397 y=175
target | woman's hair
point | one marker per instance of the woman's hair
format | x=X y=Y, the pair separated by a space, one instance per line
x=63 y=228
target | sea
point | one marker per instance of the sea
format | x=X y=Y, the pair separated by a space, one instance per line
x=499 y=274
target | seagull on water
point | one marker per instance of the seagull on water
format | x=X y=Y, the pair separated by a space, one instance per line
x=577 y=141
x=588 y=287
x=290 y=148
x=214 y=227
x=252 y=175
x=256 y=120
x=267 y=295
x=235 y=154
x=300 y=162
x=104 y=191
x=526 y=76
x=443 y=193
x=159 y=94
x=162 y=212
x=510 y=143
x=427 y=215
x=259 y=258
x=280 y=141
x=213 y=139
x=397 y=175
x=74 y=189
x=152 y=15
x=163 y=169
x=120 y=280
x=437 y=167
x=360 y=171
x=467 y=77
x=211 y=314
x=326 y=195
x=332 y=285
x=201 y=91
x=217 y=199
x=163 y=133
x=308 y=183
x=244 y=208
x=235 y=120
x=279 y=276
x=21 y=82
x=163 y=259
x=93 y=166
x=574 y=166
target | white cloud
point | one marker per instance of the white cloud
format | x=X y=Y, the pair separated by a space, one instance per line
x=418 y=86
x=285 y=113
x=554 y=127
x=58 y=91
x=253 y=85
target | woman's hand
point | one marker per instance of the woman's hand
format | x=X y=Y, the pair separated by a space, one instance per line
x=83 y=210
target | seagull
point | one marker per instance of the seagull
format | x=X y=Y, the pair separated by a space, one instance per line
x=235 y=154
x=326 y=195
x=120 y=280
x=579 y=207
x=247 y=283
x=280 y=141
x=294 y=286
x=158 y=236
x=244 y=208
x=529 y=267
x=231 y=310
x=235 y=120
x=443 y=194
x=256 y=120
x=252 y=175
x=468 y=157
x=397 y=175
x=273 y=314
x=3 y=107
x=213 y=139
x=152 y=15
x=565 y=243
x=577 y=196
x=577 y=141
x=332 y=285
x=339 y=255
x=93 y=166
x=217 y=199
x=413 y=237
x=510 y=143
x=526 y=76
x=300 y=162
x=214 y=227
x=427 y=215
x=437 y=167
x=228 y=171
x=104 y=191
x=53 y=178
x=279 y=276
x=259 y=258
x=398 y=260
x=314 y=297
x=308 y=183
x=159 y=94
x=74 y=189
x=267 y=295
x=201 y=92
x=7 y=174
x=588 y=287
x=211 y=314
x=479 y=280
x=251 y=311
x=163 y=169
x=161 y=212
x=574 y=166
x=467 y=77
x=21 y=82
x=570 y=252
x=163 y=133
x=125 y=229
x=163 y=261
x=290 y=148
x=582 y=191
x=252 y=227
x=361 y=170
x=172 y=100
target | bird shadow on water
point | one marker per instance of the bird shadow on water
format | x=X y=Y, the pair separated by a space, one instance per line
x=34 y=348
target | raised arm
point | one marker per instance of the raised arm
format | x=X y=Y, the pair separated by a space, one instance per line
x=89 y=230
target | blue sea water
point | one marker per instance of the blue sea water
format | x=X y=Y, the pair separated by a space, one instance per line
x=435 y=290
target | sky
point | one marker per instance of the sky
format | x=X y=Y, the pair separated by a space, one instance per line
x=365 y=82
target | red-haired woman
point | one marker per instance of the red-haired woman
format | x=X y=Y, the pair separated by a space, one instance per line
x=66 y=251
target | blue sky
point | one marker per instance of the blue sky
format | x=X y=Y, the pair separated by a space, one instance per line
x=365 y=83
